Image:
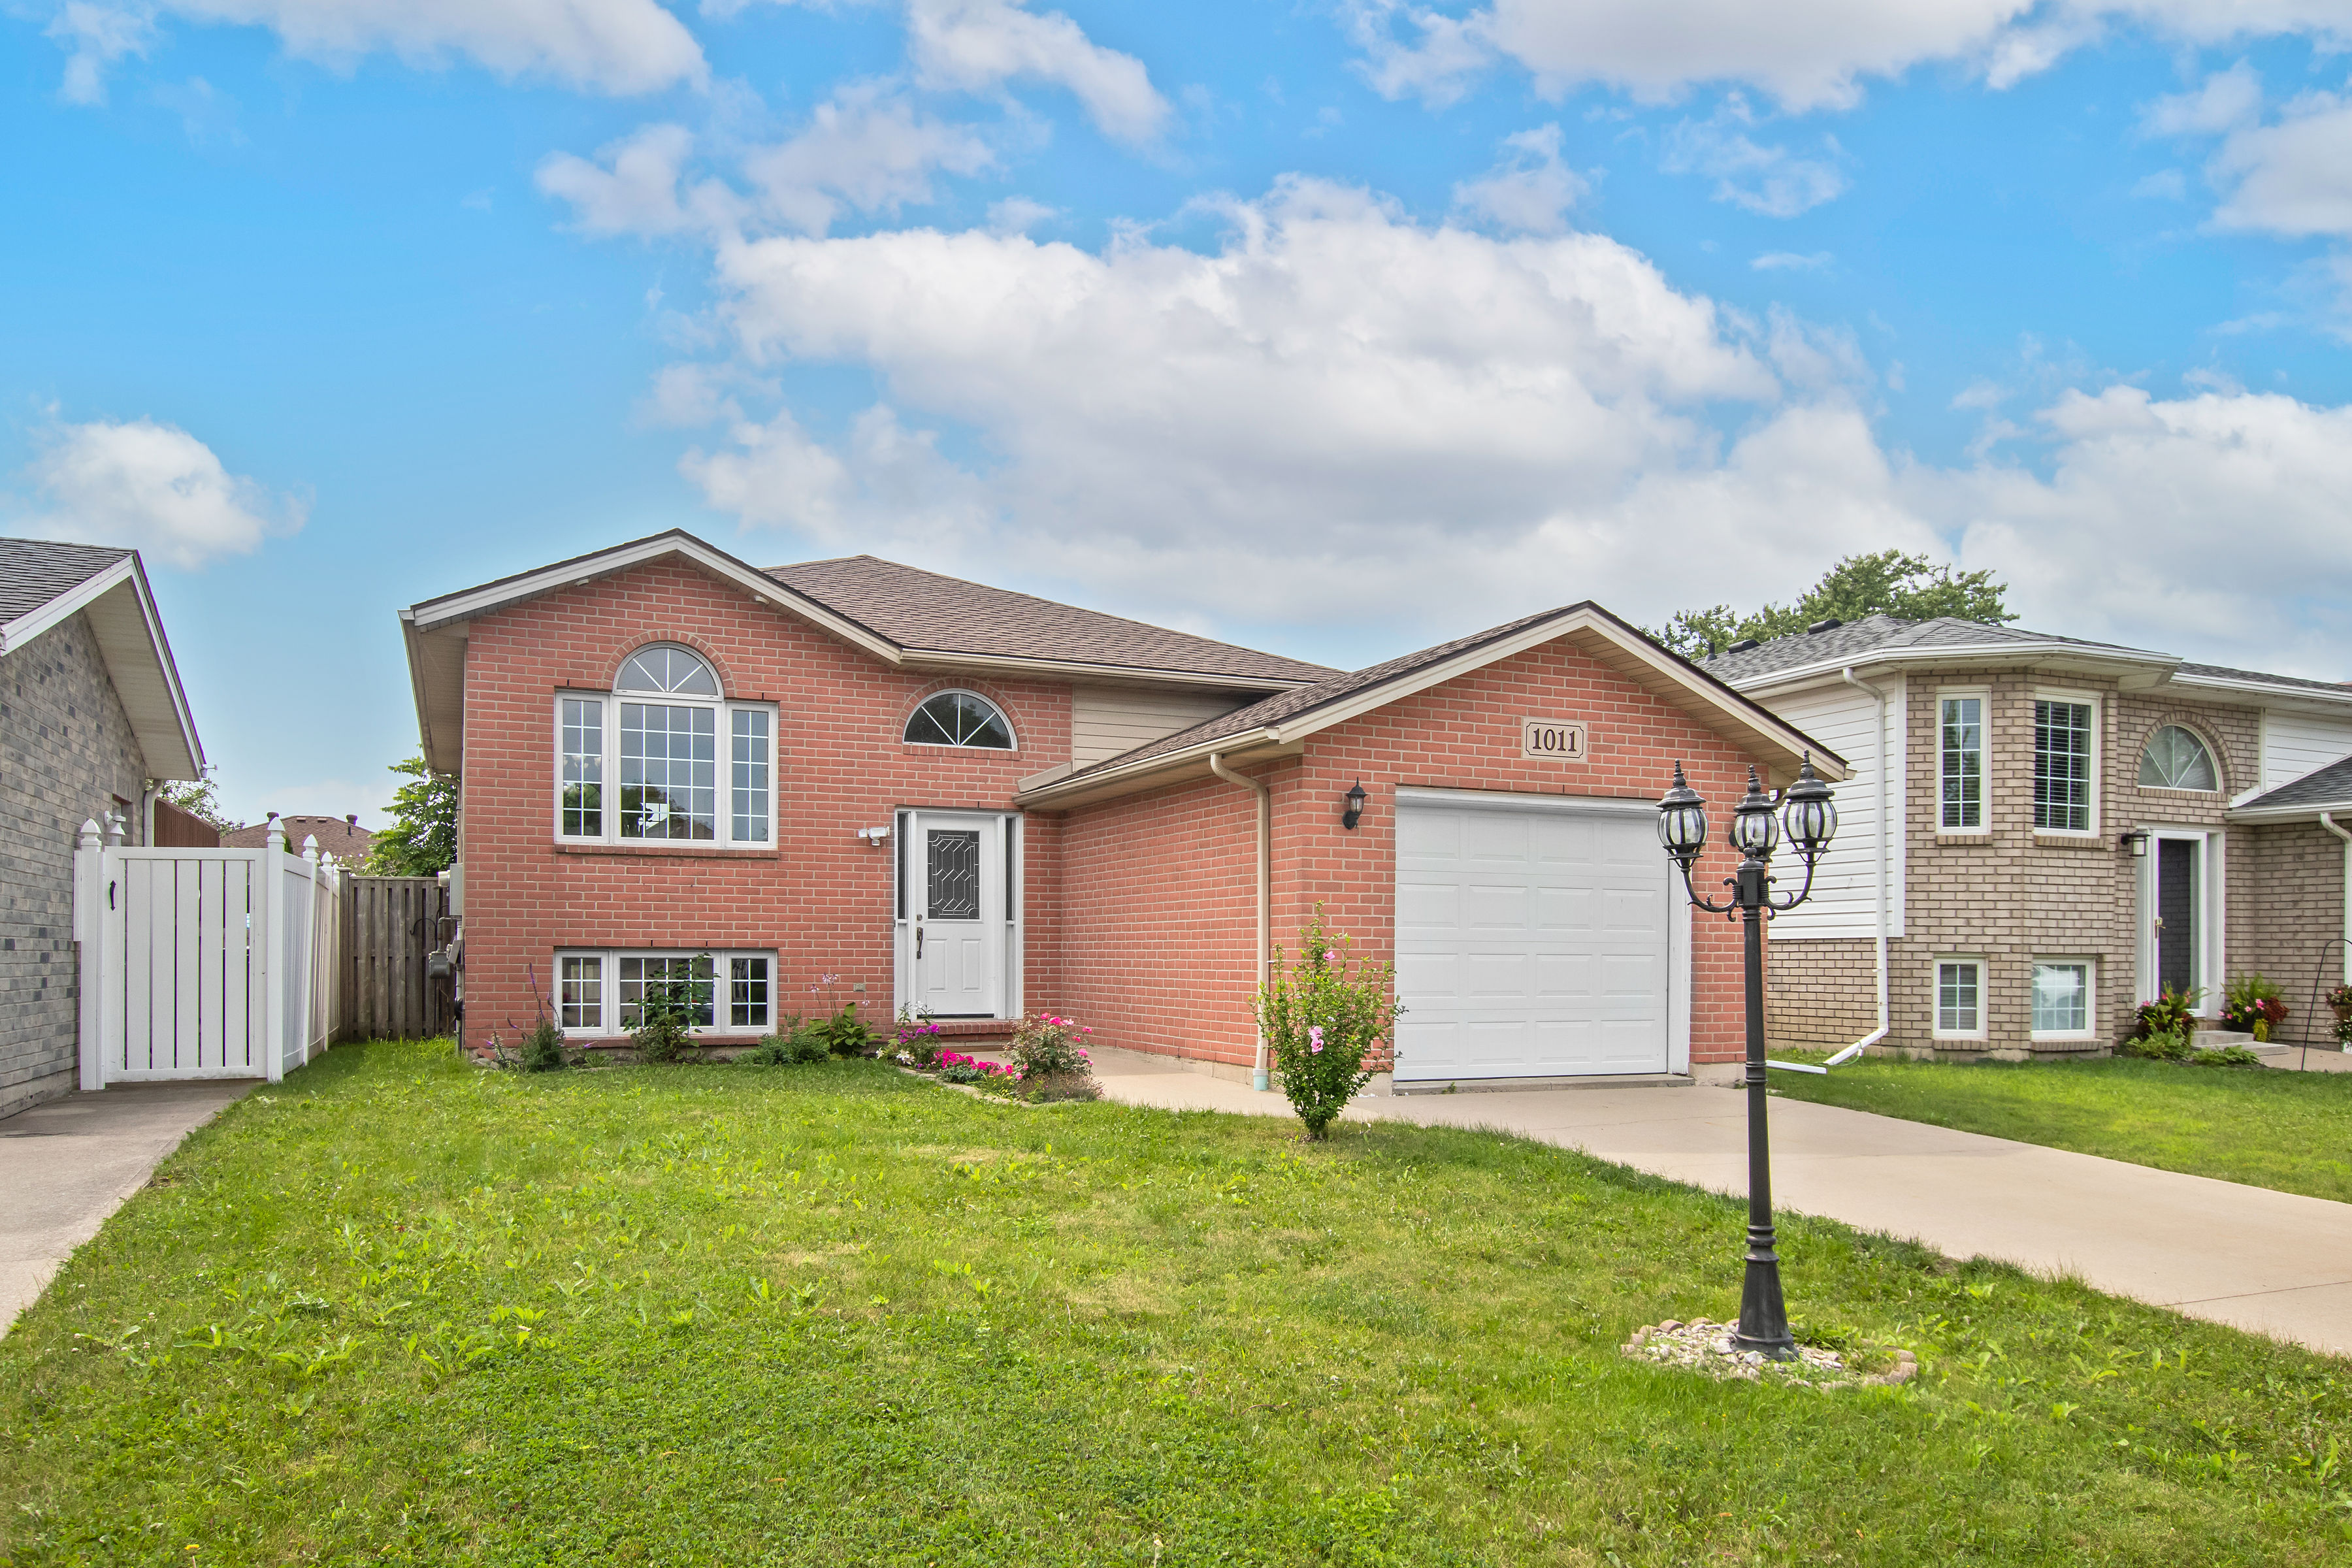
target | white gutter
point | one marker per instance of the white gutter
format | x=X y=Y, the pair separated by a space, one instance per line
x=1261 y=1079
x=1885 y=845
x=2328 y=820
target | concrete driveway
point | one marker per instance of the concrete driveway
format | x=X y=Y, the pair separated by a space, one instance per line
x=2275 y=1263
x=67 y=1164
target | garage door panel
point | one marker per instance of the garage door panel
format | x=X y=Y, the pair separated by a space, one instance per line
x=1529 y=945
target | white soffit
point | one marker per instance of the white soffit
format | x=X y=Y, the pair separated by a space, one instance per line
x=129 y=633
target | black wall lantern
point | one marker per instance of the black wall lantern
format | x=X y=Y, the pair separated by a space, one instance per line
x=2137 y=842
x=1355 y=812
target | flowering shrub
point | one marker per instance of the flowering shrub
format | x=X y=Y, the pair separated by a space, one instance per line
x=1322 y=1024
x=1050 y=1060
x=916 y=1039
x=2169 y=1014
x=957 y=1068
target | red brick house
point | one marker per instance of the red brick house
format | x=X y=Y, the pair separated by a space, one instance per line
x=971 y=803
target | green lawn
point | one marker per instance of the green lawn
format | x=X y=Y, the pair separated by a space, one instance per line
x=401 y=1311
x=2290 y=1131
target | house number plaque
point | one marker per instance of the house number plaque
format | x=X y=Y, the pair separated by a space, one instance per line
x=1555 y=739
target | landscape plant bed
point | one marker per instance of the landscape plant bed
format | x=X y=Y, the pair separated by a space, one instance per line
x=2288 y=1130
x=398 y=1311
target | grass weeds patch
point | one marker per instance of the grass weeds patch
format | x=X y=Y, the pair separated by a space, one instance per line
x=400 y=1310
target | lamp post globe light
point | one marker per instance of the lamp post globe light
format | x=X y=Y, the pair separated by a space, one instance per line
x=1805 y=811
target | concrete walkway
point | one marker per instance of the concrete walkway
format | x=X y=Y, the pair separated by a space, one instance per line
x=2276 y=1263
x=67 y=1164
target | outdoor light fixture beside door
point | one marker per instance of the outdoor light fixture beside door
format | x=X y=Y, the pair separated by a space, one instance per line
x=1810 y=818
x=2137 y=842
x=1355 y=812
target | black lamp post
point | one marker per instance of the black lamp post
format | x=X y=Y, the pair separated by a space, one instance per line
x=1811 y=822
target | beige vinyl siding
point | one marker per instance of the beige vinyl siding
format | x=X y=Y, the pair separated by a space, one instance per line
x=1845 y=885
x=2294 y=745
x=1107 y=719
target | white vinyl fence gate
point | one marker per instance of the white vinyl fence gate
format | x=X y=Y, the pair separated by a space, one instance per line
x=203 y=963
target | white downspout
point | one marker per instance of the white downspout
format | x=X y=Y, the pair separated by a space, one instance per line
x=1886 y=848
x=2328 y=820
x=1261 y=1079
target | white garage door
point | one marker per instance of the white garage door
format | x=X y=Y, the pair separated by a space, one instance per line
x=1533 y=939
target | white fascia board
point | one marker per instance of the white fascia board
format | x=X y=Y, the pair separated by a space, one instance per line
x=66 y=606
x=125 y=574
x=946 y=659
x=2284 y=697
x=410 y=639
x=2045 y=654
x=1746 y=712
x=433 y=614
x=2308 y=813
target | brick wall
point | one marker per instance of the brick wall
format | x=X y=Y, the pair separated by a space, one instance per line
x=1160 y=888
x=821 y=898
x=2007 y=896
x=65 y=751
x=2296 y=871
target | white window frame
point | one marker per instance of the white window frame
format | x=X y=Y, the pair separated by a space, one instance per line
x=994 y=706
x=2098 y=762
x=1983 y=697
x=722 y=960
x=1935 y=989
x=2090 y=966
x=2212 y=761
x=723 y=721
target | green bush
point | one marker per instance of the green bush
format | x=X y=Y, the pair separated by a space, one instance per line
x=2167 y=1046
x=845 y=1034
x=666 y=1016
x=2169 y=1014
x=1322 y=1024
x=2227 y=1057
x=2254 y=1003
x=543 y=1048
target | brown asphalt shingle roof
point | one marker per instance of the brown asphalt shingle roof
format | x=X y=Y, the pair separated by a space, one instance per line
x=336 y=836
x=35 y=570
x=918 y=609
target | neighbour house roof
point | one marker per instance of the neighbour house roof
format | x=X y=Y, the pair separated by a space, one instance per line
x=1878 y=640
x=2323 y=789
x=44 y=583
x=902 y=615
x=1278 y=725
x=339 y=836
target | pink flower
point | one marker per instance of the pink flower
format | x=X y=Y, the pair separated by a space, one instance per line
x=1315 y=1034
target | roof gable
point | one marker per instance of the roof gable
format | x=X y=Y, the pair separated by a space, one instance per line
x=44 y=582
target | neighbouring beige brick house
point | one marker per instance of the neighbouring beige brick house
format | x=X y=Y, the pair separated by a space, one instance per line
x=2050 y=830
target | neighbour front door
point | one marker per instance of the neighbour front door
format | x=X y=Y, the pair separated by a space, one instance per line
x=959 y=917
x=2175 y=913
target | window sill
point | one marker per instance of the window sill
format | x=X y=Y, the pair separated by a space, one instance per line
x=2044 y=839
x=1964 y=835
x=680 y=849
x=1943 y=1039
x=2091 y=1039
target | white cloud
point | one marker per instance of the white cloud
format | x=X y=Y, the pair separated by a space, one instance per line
x=2294 y=177
x=2224 y=99
x=1530 y=190
x=95 y=37
x=1806 y=54
x=635 y=188
x=1771 y=182
x=1790 y=262
x=1018 y=215
x=153 y=488
x=976 y=46
x=865 y=148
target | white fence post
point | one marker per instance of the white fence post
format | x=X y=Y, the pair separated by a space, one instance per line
x=270 y=938
x=90 y=934
x=310 y=939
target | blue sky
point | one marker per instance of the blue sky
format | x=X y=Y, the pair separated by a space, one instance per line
x=1336 y=329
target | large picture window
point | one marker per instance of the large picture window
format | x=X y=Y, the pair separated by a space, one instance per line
x=605 y=991
x=665 y=757
x=2064 y=743
x=1962 y=770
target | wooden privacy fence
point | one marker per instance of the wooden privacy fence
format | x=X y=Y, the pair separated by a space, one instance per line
x=203 y=963
x=390 y=925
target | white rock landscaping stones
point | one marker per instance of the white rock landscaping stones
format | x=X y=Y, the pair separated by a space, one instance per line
x=1706 y=1347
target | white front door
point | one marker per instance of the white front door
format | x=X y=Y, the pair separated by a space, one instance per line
x=1536 y=938
x=957 y=914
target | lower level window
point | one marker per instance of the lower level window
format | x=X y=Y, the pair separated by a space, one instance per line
x=606 y=992
x=2061 y=996
x=1959 y=997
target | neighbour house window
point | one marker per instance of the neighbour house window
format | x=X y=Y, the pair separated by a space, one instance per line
x=741 y=985
x=958 y=718
x=2061 y=996
x=1963 y=763
x=668 y=782
x=1959 y=997
x=2063 y=741
x=2176 y=759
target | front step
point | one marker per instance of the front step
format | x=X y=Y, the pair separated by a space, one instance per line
x=2221 y=1039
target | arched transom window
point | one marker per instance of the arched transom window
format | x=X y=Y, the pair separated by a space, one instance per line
x=958 y=718
x=2176 y=759
x=646 y=762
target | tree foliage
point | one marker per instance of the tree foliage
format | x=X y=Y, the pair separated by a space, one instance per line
x=1909 y=587
x=1322 y=1023
x=422 y=838
x=198 y=797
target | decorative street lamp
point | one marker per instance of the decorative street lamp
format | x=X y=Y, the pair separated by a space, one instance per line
x=1811 y=820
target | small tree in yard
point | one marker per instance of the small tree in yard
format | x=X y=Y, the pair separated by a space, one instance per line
x=421 y=840
x=1322 y=1024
